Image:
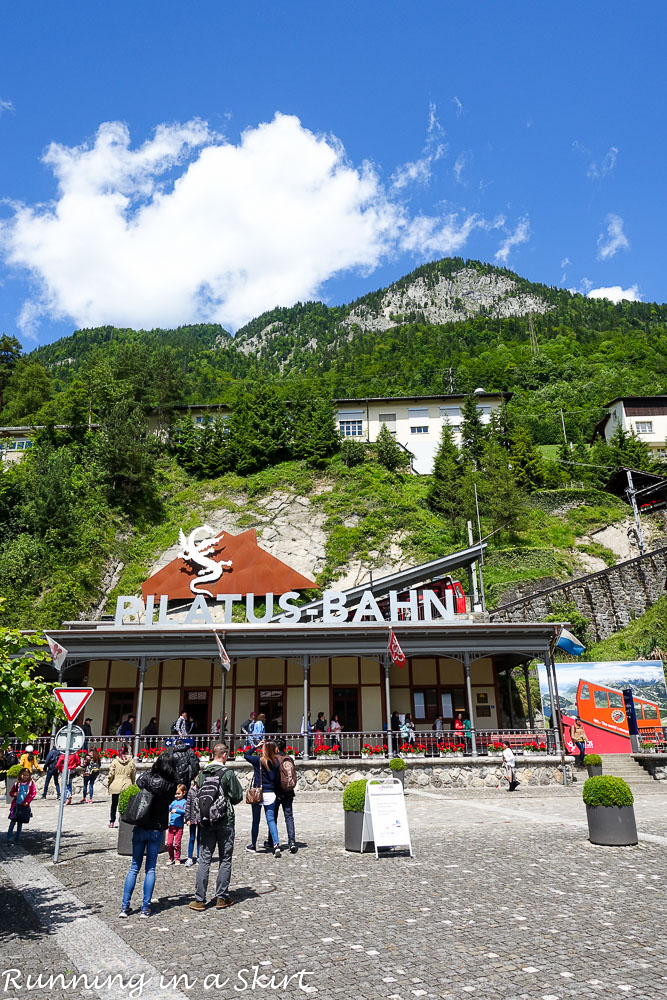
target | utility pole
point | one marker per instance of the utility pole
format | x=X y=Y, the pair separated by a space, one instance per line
x=562 y=420
x=631 y=493
x=534 y=346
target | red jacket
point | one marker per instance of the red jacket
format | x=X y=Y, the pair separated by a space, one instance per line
x=74 y=761
x=32 y=791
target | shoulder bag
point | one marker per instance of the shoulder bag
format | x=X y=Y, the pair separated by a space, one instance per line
x=255 y=794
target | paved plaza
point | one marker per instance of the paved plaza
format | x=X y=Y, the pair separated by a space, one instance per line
x=505 y=898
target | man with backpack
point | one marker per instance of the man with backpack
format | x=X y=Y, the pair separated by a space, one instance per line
x=218 y=791
x=288 y=782
x=185 y=761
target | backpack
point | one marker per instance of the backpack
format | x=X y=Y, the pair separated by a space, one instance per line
x=174 y=729
x=287 y=774
x=211 y=799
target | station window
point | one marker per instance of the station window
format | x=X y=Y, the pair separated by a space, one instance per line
x=426 y=703
x=601 y=699
x=644 y=426
x=419 y=429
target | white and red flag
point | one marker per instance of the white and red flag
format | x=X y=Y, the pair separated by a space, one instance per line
x=58 y=652
x=225 y=662
x=395 y=651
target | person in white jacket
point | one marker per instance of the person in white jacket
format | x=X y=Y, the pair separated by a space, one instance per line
x=509 y=764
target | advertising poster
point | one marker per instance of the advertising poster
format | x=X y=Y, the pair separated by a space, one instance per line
x=593 y=692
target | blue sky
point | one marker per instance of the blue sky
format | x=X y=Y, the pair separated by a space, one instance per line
x=269 y=152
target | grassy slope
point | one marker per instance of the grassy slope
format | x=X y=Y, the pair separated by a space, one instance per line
x=639 y=638
x=365 y=509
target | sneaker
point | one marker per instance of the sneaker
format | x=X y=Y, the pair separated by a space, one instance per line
x=145 y=911
x=169 y=863
x=83 y=801
x=276 y=851
x=125 y=912
x=222 y=902
x=268 y=845
x=293 y=848
x=251 y=849
x=111 y=825
x=197 y=905
x=189 y=863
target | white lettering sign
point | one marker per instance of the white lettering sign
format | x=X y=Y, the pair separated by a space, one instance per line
x=332 y=610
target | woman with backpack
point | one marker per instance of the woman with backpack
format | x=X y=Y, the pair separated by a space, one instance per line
x=288 y=780
x=22 y=793
x=266 y=777
x=122 y=773
x=160 y=783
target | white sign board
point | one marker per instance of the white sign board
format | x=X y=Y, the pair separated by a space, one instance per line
x=385 y=818
x=77 y=741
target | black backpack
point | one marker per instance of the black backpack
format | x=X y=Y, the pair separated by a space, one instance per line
x=211 y=799
x=174 y=730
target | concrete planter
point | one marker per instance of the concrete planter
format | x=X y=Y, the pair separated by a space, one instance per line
x=593 y=769
x=354 y=823
x=612 y=826
x=125 y=831
x=400 y=775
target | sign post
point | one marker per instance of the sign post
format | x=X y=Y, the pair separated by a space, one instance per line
x=385 y=819
x=72 y=700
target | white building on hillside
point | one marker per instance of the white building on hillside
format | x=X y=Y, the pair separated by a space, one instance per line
x=415 y=421
x=646 y=416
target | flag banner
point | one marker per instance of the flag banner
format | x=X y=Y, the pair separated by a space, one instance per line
x=395 y=651
x=569 y=643
x=58 y=652
x=222 y=652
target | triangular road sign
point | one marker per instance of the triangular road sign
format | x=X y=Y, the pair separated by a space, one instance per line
x=72 y=700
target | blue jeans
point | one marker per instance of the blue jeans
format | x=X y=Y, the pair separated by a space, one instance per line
x=19 y=827
x=88 y=787
x=47 y=782
x=143 y=842
x=270 y=812
x=195 y=834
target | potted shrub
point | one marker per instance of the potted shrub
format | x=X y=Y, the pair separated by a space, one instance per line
x=610 y=812
x=125 y=829
x=12 y=774
x=593 y=762
x=397 y=768
x=354 y=799
x=648 y=747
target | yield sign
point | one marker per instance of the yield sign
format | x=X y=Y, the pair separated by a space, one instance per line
x=72 y=700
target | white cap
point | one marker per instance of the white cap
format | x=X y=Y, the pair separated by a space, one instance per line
x=29 y=748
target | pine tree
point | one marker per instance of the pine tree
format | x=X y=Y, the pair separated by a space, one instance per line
x=314 y=432
x=501 y=499
x=388 y=452
x=443 y=495
x=473 y=432
x=126 y=455
x=629 y=451
x=258 y=428
x=527 y=462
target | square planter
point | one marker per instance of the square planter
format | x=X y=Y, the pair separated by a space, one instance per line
x=354 y=824
x=593 y=769
x=612 y=826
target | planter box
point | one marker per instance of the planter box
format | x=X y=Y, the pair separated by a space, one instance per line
x=125 y=831
x=354 y=824
x=612 y=826
x=593 y=770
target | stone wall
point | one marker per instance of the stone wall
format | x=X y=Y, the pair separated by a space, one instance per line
x=654 y=763
x=610 y=599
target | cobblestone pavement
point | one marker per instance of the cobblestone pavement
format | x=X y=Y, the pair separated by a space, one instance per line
x=505 y=898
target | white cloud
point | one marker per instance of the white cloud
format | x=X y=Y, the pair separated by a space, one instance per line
x=419 y=171
x=459 y=166
x=598 y=171
x=428 y=235
x=616 y=294
x=458 y=105
x=5 y=105
x=614 y=239
x=565 y=261
x=520 y=235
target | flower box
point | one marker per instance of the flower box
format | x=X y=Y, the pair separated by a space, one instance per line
x=324 y=751
x=413 y=749
x=373 y=750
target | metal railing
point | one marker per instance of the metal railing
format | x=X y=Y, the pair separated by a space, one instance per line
x=344 y=745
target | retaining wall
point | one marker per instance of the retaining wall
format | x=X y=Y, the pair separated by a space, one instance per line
x=610 y=599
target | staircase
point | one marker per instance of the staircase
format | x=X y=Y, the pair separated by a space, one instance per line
x=623 y=765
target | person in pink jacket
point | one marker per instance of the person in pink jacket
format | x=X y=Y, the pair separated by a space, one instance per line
x=22 y=794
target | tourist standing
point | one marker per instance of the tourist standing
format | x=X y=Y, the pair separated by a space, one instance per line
x=122 y=773
x=151 y=729
x=93 y=766
x=30 y=760
x=509 y=765
x=320 y=729
x=288 y=780
x=126 y=728
x=246 y=727
x=51 y=769
x=176 y=824
x=191 y=822
x=186 y=762
x=335 y=729
x=73 y=762
x=181 y=725
x=408 y=729
x=87 y=732
x=160 y=781
x=578 y=736
x=22 y=793
x=258 y=728
x=218 y=791
x=266 y=775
